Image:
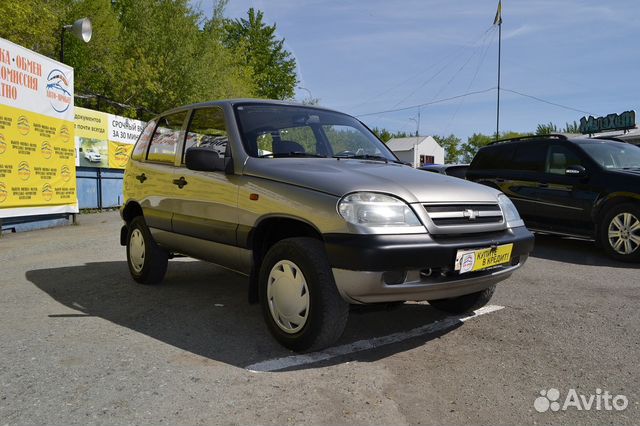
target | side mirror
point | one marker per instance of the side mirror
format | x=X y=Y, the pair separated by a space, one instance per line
x=207 y=160
x=577 y=171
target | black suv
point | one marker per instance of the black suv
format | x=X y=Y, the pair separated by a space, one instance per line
x=582 y=187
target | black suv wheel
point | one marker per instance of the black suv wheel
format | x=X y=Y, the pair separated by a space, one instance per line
x=620 y=232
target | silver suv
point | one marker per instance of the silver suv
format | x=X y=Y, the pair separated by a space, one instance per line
x=317 y=213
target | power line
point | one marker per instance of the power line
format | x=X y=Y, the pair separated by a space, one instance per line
x=431 y=66
x=546 y=102
x=477 y=92
x=473 y=79
x=430 y=79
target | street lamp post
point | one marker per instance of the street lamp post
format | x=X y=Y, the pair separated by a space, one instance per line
x=82 y=29
x=308 y=91
x=415 y=146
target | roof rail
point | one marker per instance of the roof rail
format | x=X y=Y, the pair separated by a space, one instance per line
x=519 y=138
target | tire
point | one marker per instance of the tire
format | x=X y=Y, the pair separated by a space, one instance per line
x=619 y=232
x=300 y=302
x=466 y=303
x=147 y=261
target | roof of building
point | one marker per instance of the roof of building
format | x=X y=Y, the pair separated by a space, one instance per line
x=407 y=144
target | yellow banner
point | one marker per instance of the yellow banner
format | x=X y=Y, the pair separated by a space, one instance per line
x=119 y=154
x=37 y=160
x=104 y=140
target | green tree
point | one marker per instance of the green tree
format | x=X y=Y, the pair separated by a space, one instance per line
x=383 y=134
x=97 y=64
x=451 y=145
x=573 y=127
x=274 y=68
x=476 y=141
x=34 y=24
x=546 y=129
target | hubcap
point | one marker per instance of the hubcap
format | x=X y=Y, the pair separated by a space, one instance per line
x=136 y=250
x=624 y=233
x=288 y=296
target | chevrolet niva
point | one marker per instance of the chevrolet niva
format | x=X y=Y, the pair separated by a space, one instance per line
x=316 y=212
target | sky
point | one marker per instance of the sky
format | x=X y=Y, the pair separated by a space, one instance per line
x=366 y=57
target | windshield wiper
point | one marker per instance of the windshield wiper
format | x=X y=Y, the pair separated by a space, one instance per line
x=292 y=154
x=367 y=157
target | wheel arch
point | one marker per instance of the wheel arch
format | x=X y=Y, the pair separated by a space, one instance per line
x=268 y=231
x=612 y=200
x=131 y=210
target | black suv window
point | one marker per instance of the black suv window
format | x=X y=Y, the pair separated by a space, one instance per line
x=559 y=158
x=207 y=129
x=165 y=139
x=530 y=156
x=493 y=158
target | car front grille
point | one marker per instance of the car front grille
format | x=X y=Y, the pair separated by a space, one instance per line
x=463 y=214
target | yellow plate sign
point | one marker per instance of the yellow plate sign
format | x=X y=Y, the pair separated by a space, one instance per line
x=476 y=260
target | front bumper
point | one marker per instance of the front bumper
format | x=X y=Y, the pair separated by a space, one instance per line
x=359 y=264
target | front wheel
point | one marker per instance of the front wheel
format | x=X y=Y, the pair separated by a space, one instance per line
x=300 y=302
x=620 y=232
x=466 y=303
x=147 y=261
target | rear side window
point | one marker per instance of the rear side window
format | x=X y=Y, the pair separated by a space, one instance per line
x=143 y=141
x=165 y=138
x=207 y=129
x=493 y=158
x=530 y=156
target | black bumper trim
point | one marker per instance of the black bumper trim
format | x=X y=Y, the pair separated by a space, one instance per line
x=415 y=251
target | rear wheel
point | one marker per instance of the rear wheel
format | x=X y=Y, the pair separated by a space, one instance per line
x=620 y=232
x=300 y=302
x=466 y=303
x=147 y=261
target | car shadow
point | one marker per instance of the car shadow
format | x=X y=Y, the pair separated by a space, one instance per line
x=573 y=250
x=203 y=309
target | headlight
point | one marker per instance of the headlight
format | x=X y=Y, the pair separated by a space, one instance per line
x=373 y=210
x=511 y=215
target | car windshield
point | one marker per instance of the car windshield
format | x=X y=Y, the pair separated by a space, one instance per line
x=270 y=131
x=613 y=155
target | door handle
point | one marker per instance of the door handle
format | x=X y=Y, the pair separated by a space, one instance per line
x=543 y=185
x=180 y=182
x=500 y=180
x=141 y=178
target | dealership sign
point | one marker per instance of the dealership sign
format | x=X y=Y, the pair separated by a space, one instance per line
x=624 y=121
x=37 y=154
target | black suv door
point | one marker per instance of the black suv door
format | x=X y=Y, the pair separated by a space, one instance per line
x=523 y=180
x=565 y=200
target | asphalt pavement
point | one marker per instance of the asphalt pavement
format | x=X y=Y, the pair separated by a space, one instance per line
x=81 y=343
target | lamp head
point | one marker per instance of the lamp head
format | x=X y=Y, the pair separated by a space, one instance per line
x=82 y=29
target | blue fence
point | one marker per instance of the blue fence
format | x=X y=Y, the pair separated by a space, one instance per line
x=99 y=188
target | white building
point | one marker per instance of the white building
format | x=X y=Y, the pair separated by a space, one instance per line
x=417 y=150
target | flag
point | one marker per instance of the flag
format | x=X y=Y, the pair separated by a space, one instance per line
x=498 y=18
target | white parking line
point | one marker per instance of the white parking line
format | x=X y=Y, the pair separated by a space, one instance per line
x=362 y=345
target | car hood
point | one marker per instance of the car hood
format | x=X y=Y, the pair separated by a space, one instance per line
x=340 y=177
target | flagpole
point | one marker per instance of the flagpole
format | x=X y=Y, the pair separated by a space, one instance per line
x=499 y=56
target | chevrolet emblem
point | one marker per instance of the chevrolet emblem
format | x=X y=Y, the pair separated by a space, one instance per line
x=470 y=214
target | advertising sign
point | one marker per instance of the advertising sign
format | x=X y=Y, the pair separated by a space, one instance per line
x=37 y=155
x=624 y=121
x=104 y=140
